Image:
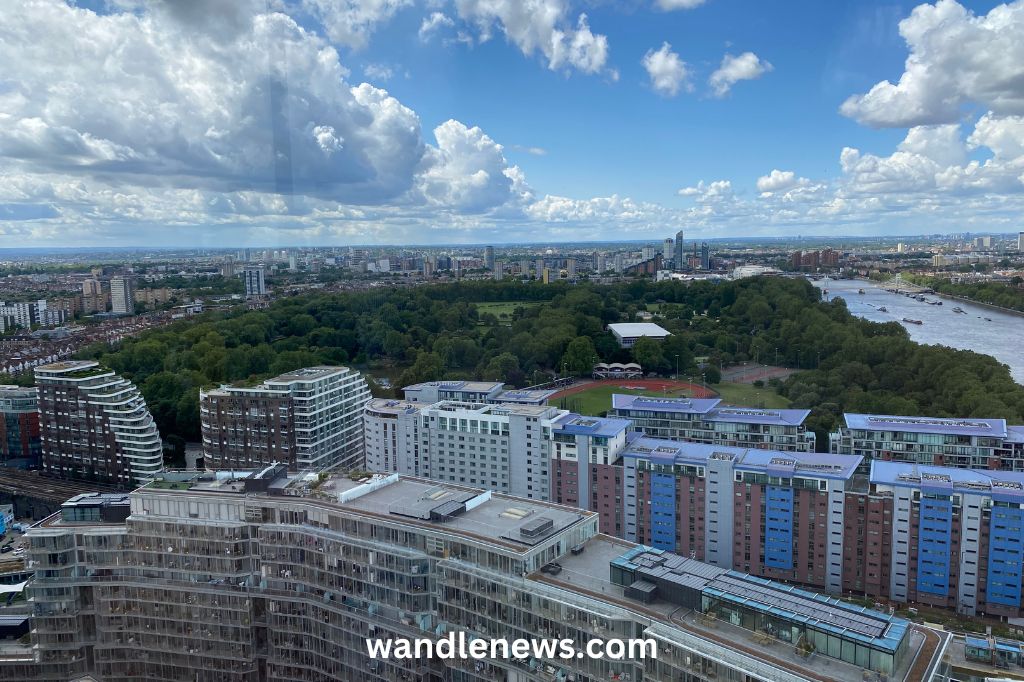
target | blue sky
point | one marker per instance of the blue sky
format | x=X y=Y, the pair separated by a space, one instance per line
x=130 y=122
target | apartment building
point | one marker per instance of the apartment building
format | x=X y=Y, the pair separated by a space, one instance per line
x=504 y=447
x=95 y=425
x=956 y=536
x=122 y=296
x=269 y=576
x=778 y=515
x=968 y=443
x=707 y=420
x=311 y=418
x=20 y=445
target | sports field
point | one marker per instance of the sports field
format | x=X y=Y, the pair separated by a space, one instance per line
x=595 y=398
x=503 y=309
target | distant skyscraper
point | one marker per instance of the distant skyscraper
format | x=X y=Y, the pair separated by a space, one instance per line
x=227 y=269
x=499 y=270
x=489 y=257
x=1020 y=241
x=570 y=268
x=619 y=263
x=705 y=256
x=600 y=265
x=547 y=276
x=524 y=268
x=429 y=264
x=255 y=283
x=679 y=261
x=647 y=252
x=667 y=249
x=539 y=267
x=122 y=299
x=293 y=262
x=95 y=425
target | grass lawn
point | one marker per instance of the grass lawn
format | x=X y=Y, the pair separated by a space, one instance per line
x=599 y=399
x=503 y=309
x=748 y=395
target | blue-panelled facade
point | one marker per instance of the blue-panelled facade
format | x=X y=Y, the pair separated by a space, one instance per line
x=663 y=511
x=778 y=527
x=1005 y=553
x=933 y=544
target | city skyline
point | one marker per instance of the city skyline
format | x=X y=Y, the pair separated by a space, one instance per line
x=384 y=123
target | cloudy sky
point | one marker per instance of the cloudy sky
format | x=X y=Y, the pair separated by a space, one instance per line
x=263 y=122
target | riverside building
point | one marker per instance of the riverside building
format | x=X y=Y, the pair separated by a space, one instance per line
x=968 y=443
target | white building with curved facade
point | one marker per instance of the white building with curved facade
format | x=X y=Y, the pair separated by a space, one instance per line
x=94 y=425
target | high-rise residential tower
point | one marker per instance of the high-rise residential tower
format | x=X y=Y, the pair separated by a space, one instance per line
x=310 y=418
x=122 y=297
x=679 y=260
x=489 y=257
x=255 y=282
x=95 y=425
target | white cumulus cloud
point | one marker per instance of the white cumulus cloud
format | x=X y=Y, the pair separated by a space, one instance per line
x=539 y=26
x=669 y=5
x=668 y=73
x=735 y=68
x=956 y=58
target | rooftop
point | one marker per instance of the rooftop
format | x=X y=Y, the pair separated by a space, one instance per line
x=511 y=522
x=1007 y=486
x=640 y=402
x=711 y=409
x=458 y=385
x=634 y=329
x=995 y=428
x=308 y=374
x=591 y=426
x=393 y=406
x=517 y=395
x=588 y=572
x=496 y=409
x=772 y=462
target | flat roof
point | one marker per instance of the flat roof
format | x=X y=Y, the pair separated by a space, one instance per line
x=1015 y=434
x=1006 y=486
x=643 y=402
x=458 y=385
x=772 y=462
x=496 y=409
x=970 y=426
x=786 y=601
x=307 y=374
x=591 y=426
x=474 y=513
x=394 y=406
x=523 y=395
x=711 y=409
x=632 y=329
x=588 y=573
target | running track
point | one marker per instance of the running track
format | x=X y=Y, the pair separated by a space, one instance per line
x=695 y=390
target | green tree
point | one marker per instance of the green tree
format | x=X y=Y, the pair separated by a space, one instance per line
x=580 y=356
x=648 y=354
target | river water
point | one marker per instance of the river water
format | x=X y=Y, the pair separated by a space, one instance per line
x=1001 y=335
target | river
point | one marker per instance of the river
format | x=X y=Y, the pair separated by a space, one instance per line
x=1000 y=335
